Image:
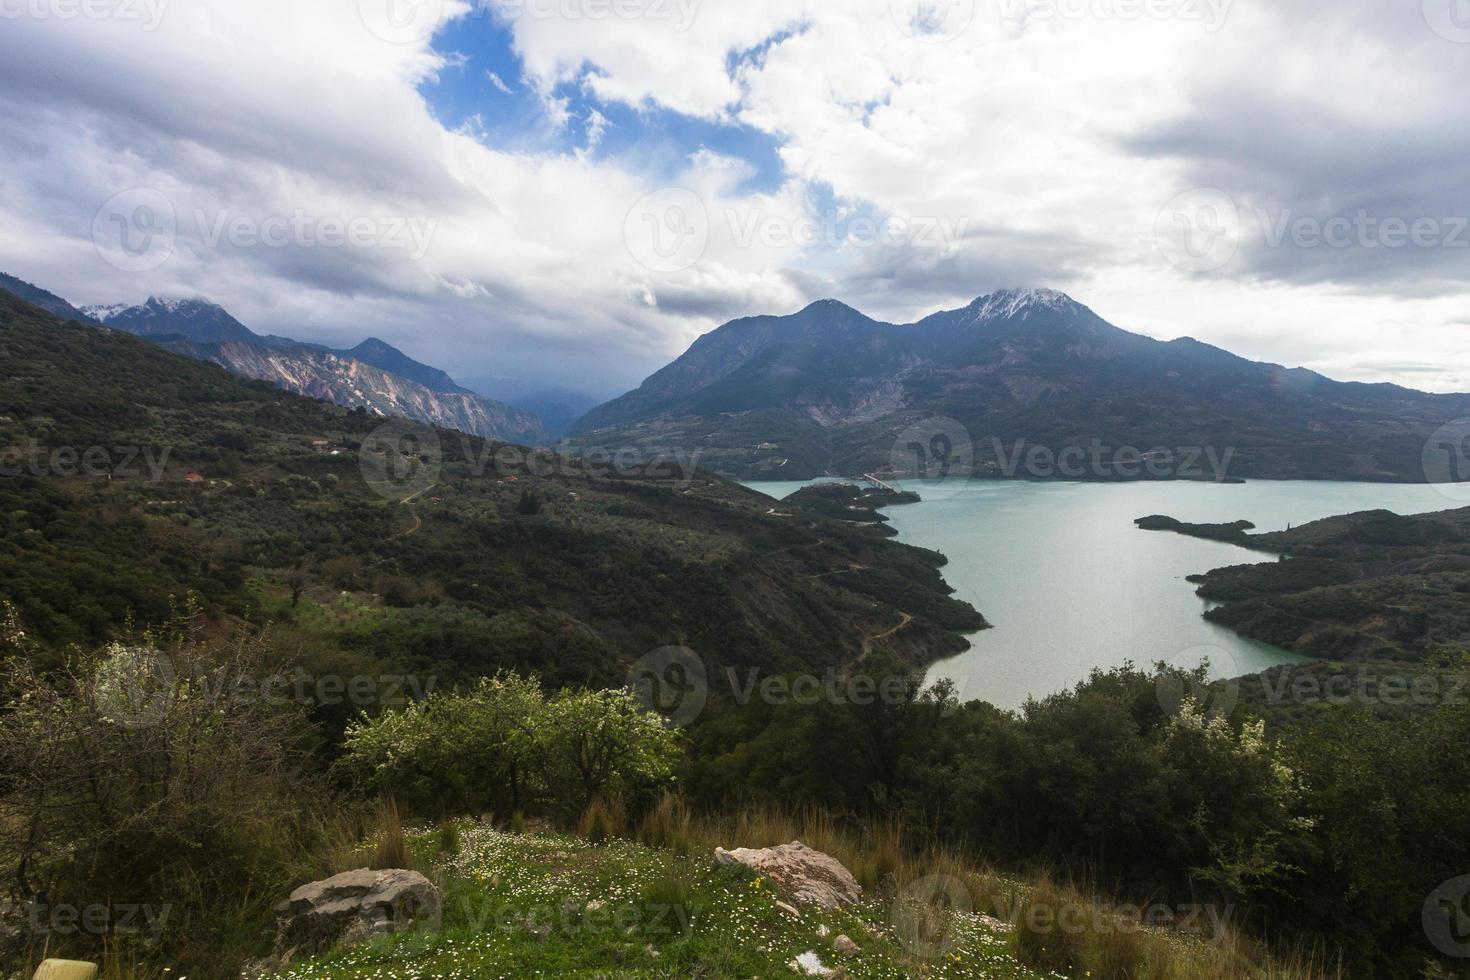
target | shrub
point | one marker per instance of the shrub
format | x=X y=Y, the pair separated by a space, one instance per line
x=143 y=776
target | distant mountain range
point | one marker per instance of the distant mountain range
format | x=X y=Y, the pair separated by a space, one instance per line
x=373 y=375
x=829 y=390
x=558 y=408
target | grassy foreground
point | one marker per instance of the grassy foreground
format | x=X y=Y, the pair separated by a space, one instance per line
x=520 y=905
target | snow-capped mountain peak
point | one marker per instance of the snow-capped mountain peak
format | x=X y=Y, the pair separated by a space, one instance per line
x=1008 y=303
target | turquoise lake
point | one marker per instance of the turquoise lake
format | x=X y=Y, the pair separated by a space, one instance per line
x=1069 y=584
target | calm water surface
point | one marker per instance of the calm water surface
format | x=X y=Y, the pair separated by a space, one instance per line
x=1070 y=584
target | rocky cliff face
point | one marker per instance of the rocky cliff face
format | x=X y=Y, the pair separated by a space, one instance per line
x=373 y=375
x=347 y=381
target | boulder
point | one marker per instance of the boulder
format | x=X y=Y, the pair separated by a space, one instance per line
x=355 y=906
x=800 y=874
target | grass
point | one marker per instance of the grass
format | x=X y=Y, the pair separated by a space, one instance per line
x=654 y=906
x=550 y=905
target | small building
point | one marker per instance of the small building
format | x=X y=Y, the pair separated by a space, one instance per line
x=193 y=477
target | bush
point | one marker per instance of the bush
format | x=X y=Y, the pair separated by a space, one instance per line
x=141 y=776
x=504 y=745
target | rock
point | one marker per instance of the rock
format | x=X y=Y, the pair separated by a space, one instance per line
x=800 y=874
x=353 y=907
x=788 y=909
x=845 y=946
x=809 y=964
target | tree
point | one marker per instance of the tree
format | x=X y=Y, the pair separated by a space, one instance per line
x=504 y=745
x=596 y=743
x=454 y=752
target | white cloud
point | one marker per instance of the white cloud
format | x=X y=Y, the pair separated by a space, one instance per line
x=1042 y=141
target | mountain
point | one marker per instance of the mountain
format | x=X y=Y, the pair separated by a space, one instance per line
x=558 y=408
x=194 y=319
x=388 y=358
x=37 y=296
x=829 y=389
x=203 y=484
x=373 y=375
x=320 y=373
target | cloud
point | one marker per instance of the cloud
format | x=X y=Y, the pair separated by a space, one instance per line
x=927 y=159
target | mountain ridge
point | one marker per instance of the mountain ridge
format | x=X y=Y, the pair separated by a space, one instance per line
x=373 y=375
x=828 y=390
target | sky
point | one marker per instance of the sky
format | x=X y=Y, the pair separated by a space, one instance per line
x=536 y=193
